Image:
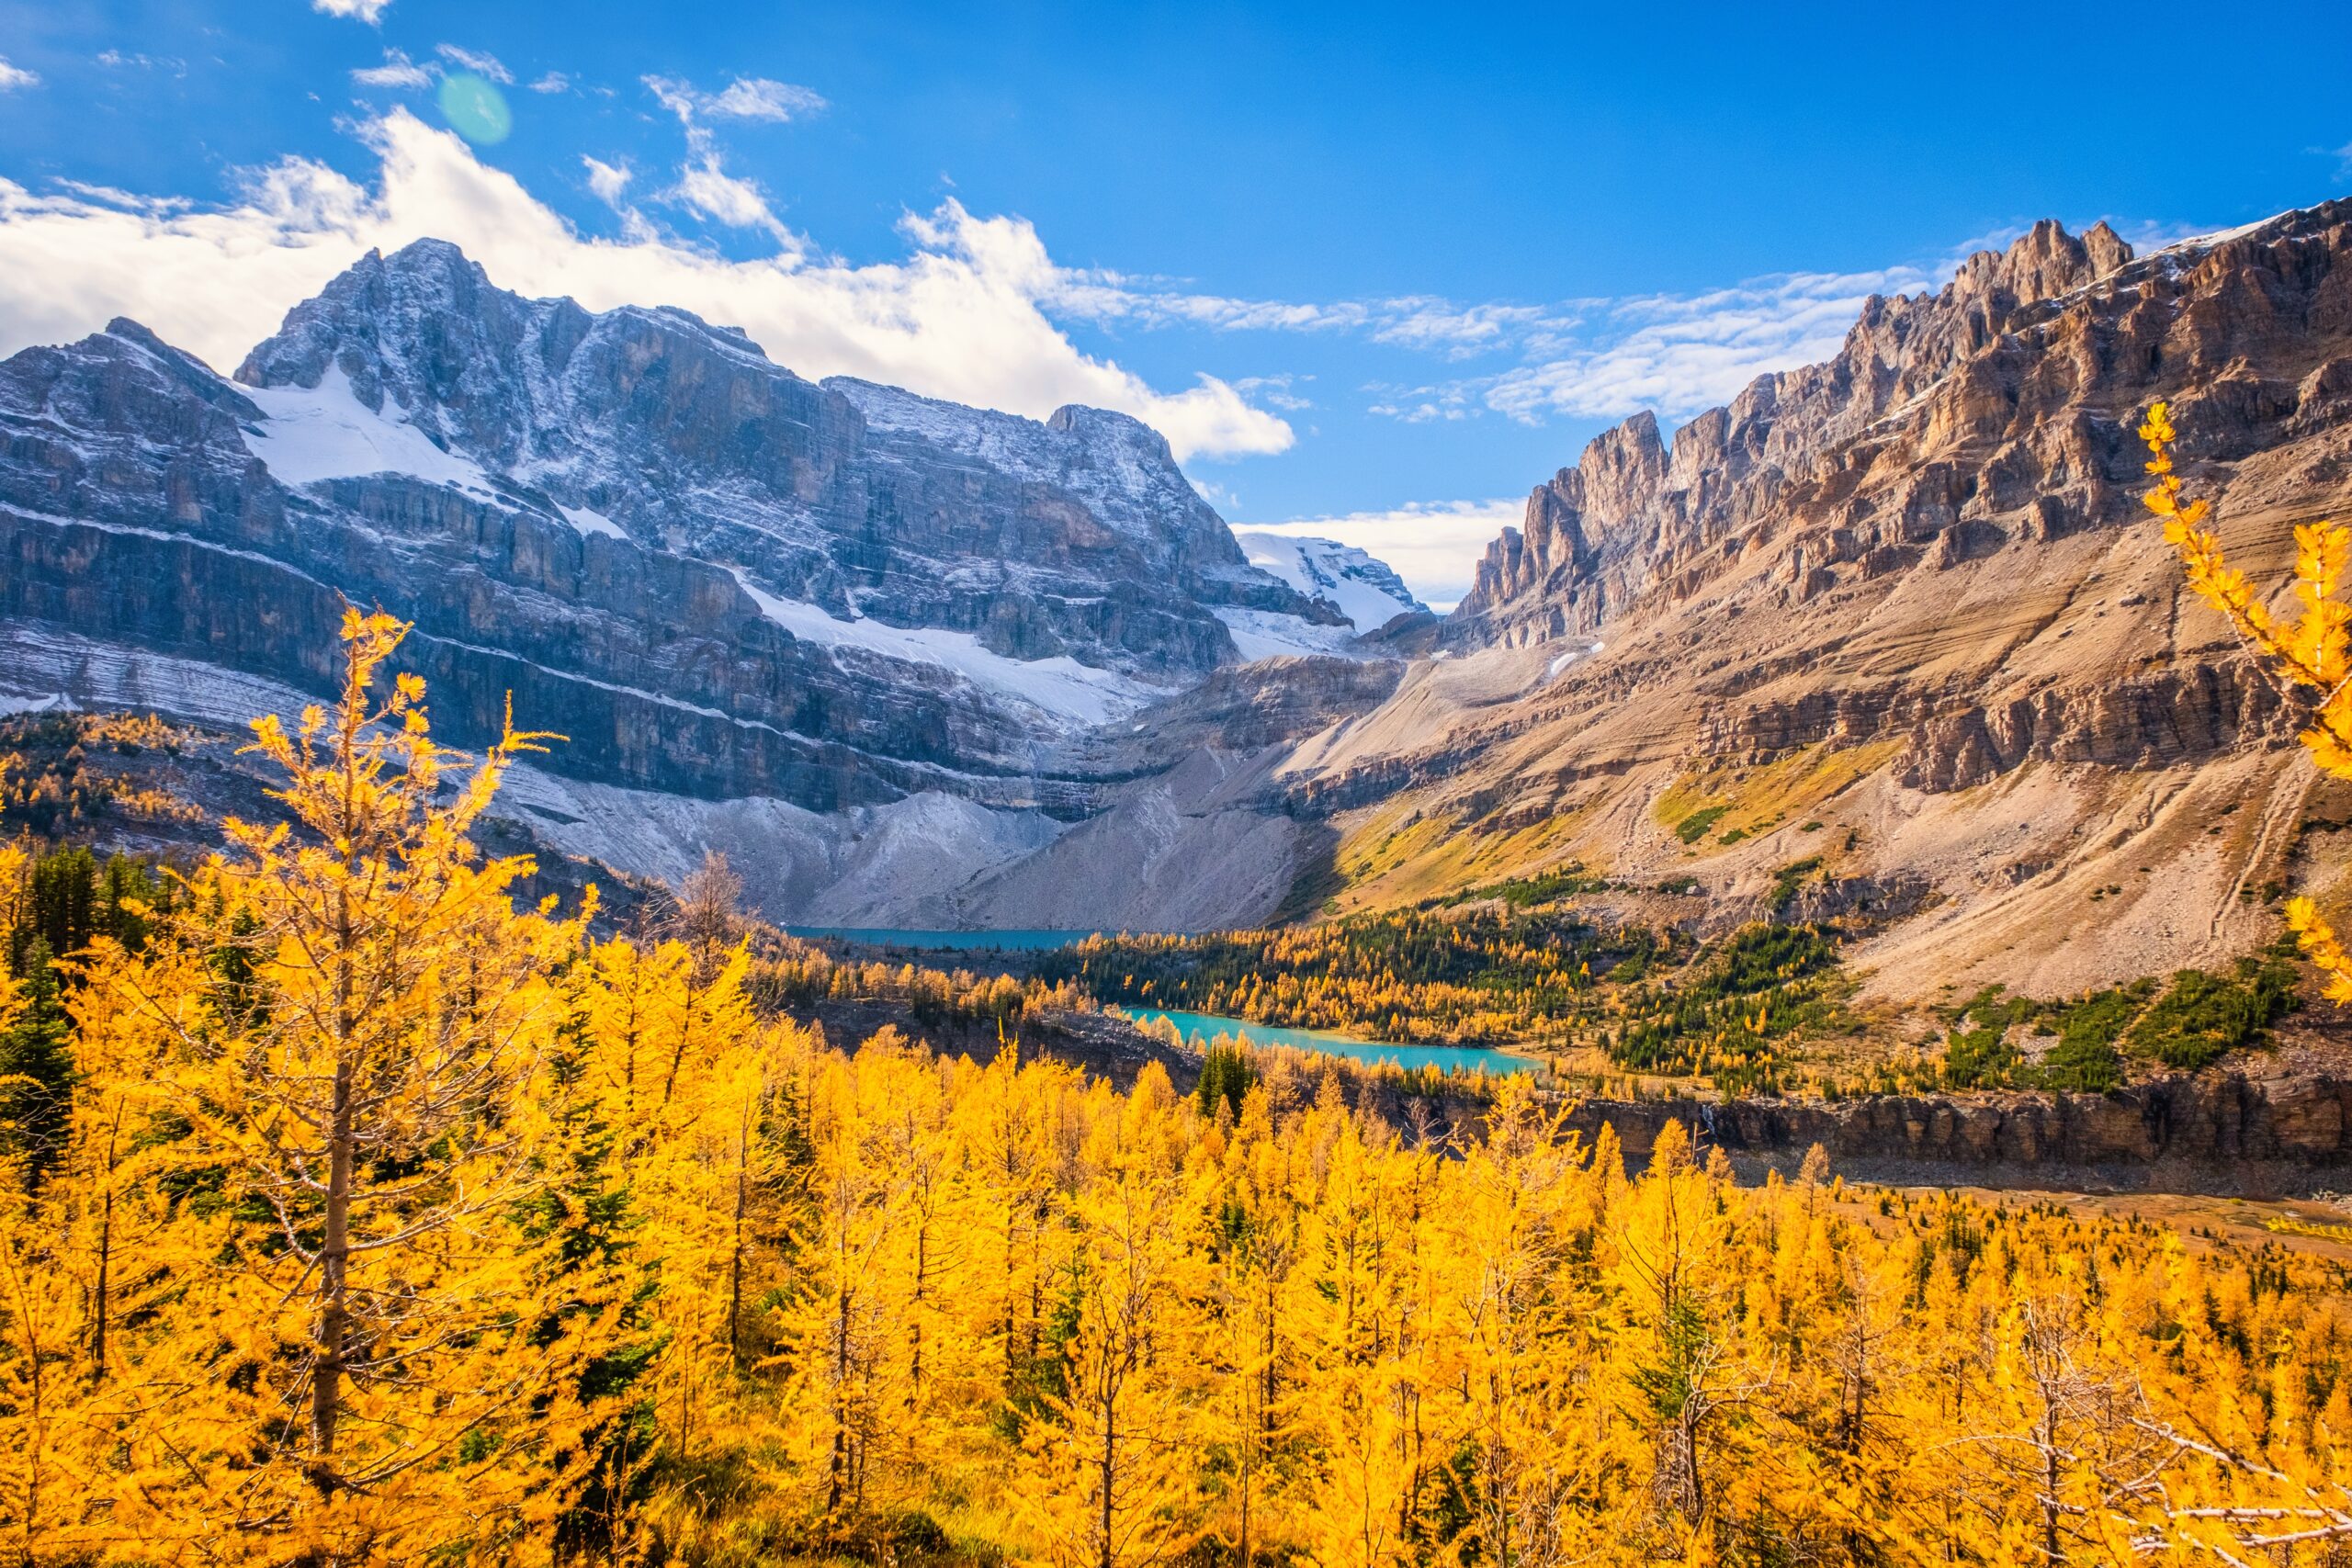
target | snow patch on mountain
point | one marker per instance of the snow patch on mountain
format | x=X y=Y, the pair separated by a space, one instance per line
x=1060 y=686
x=1263 y=634
x=587 y=520
x=1120 y=467
x=1360 y=586
x=327 y=433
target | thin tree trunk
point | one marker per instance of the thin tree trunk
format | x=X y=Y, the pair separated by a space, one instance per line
x=735 y=1261
x=100 y=1305
x=334 y=1262
x=837 y=1476
x=1110 y=1464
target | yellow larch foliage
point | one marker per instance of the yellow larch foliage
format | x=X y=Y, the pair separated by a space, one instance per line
x=2314 y=652
x=394 y=1223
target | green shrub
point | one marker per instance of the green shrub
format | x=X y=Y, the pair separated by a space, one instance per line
x=2205 y=1016
x=1694 y=827
x=1790 y=877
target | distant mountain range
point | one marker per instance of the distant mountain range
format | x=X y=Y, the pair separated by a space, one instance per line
x=1891 y=620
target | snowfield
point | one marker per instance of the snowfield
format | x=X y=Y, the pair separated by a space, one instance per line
x=1363 y=589
x=1060 y=687
x=327 y=433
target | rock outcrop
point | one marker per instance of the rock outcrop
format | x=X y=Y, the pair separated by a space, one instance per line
x=2217 y=1131
x=1949 y=425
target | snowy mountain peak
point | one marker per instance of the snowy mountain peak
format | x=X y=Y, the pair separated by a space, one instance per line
x=1360 y=586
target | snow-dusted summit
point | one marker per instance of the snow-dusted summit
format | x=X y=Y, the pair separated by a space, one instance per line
x=718 y=578
x=1365 y=589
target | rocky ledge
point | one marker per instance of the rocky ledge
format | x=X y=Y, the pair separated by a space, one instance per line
x=2216 y=1132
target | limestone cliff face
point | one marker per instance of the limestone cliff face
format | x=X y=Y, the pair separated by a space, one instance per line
x=1949 y=424
x=716 y=577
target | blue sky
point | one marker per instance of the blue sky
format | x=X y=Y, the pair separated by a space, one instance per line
x=1379 y=263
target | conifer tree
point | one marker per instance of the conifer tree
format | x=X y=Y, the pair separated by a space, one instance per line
x=389 y=1359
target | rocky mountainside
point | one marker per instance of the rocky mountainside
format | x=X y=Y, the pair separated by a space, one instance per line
x=736 y=593
x=1893 y=630
x=1888 y=634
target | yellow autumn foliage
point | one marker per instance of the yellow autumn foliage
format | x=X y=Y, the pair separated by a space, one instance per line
x=2313 y=652
x=398 y=1224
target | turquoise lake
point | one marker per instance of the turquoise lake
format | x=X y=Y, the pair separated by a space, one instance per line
x=1200 y=1028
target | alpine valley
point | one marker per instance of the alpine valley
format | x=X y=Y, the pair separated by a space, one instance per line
x=1885 y=635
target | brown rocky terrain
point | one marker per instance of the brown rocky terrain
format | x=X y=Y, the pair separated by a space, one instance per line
x=1901 y=615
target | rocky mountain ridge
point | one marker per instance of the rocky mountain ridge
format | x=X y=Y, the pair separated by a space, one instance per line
x=1897 y=618
x=1888 y=626
x=719 y=580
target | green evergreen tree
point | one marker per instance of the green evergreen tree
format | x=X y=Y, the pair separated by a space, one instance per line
x=36 y=1069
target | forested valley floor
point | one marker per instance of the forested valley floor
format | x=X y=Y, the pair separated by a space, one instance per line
x=356 y=1215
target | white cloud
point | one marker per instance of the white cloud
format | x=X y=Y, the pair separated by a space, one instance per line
x=746 y=97
x=1276 y=392
x=756 y=98
x=704 y=187
x=1455 y=330
x=963 y=315
x=609 y=181
x=15 y=76
x=1433 y=545
x=1420 y=405
x=553 y=82
x=398 y=71
x=479 y=63
x=367 y=11
x=1587 y=358
x=1683 y=353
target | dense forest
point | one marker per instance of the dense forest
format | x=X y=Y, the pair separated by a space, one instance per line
x=1540 y=979
x=381 y=1220
x=1760 y=1010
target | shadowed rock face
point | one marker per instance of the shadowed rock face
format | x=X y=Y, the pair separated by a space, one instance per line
x=2220 y=1131
x=713 y=577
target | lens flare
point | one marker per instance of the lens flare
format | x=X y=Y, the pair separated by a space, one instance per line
x=475 y=110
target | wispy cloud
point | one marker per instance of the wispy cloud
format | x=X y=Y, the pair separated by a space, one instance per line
x=1421 y=405
x=706 y=188
x=1680 y=353
x=116 y=60
x=757 y=98
x=1457 y=331
x=703 y=186
x=609 y=181
x=961 y=315
x=398 y=71
x=1433 y=545
x=477 y=61
x=15 y=76
x=1674 y=353
x=553 y=82
x=1277 y=391
x=367 y=11
x=746 y=97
